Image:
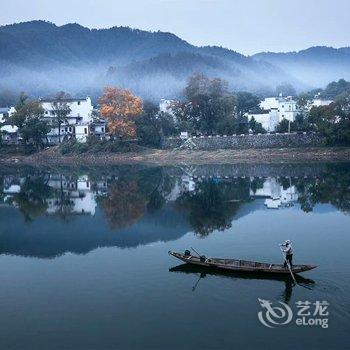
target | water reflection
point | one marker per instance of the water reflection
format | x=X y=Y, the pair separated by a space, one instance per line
x=203 y=272
x=126 y=206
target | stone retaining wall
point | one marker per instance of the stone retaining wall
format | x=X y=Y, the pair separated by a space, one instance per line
x=245 y=141
x=250 y=170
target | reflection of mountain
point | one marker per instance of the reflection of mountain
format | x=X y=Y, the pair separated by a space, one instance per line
x=49 y=237
x=46 y=215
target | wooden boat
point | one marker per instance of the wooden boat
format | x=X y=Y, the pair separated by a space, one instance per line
x=239 y=265
x=205 y=271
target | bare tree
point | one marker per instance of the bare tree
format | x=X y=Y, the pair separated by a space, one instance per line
x=61 y=110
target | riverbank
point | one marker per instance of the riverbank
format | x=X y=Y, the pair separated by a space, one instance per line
x=172 y=157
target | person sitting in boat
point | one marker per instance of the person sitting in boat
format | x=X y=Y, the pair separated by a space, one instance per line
x=288 y=251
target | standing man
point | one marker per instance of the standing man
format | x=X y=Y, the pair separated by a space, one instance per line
x=288 y=251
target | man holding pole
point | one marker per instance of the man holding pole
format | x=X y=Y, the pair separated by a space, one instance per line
x=288 y=251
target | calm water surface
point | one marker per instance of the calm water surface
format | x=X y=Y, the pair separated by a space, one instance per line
x=84 y=261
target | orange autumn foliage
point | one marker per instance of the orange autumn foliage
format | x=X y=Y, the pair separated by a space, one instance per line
x=120 y=108
x=124 y=205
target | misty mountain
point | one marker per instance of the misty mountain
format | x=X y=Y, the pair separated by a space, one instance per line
x=42 y=58
x=315 y=66
x=165 y=75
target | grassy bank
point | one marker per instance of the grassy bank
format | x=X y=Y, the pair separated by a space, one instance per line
x=168 y=157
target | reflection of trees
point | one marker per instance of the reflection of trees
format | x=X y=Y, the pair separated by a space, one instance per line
x=32 y=198
x=332 y=188
x=124 y=204
x=1 y=188
x=156 y=202
x=132 y=192
x=130 y=196
x=256 y=183
x=212 y=205
x=156 y=186
x=63 y=200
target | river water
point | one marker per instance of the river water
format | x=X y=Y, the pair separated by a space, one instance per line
x=84 y=258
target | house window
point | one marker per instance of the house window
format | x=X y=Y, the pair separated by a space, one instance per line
x=70 y=129
x=103 y=129
x=65 y=129
x=85 y=131
x=46 y=112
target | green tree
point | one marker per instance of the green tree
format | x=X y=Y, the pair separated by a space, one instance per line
x=256 y=127
x=35 y=130
x=300 y=123
x=283 y=126
x=303 y=100
x=28 y=119
x=168 y=124
x=32 y=198
x=336 y=88
x=333 y=121
x=245 y=102
x=19 y=117
x=209 y=107
x=148 y=126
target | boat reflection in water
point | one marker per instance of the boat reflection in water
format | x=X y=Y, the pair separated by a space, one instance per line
x=76 y=244
x=202 y=272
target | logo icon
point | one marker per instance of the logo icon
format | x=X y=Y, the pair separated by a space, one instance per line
x=274 y=315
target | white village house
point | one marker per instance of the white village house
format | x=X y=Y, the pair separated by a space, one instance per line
x=274 y=110
x=79 y=124
x=165 y=105
x=318 y=101
x=275 y=195
x=8 y=132
x=6 y=112
x=269 y=119
x=80 y=193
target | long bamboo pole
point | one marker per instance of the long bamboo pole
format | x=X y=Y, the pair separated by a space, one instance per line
x=290 y=270
x=196 y=252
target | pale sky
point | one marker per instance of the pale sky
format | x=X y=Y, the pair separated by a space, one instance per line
x=247 y=26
